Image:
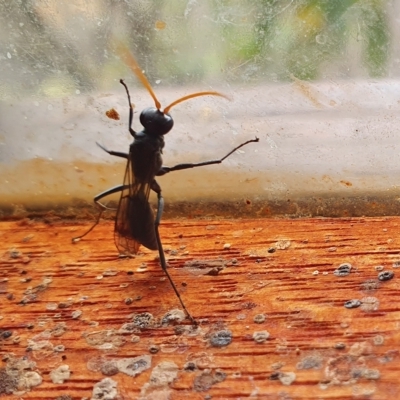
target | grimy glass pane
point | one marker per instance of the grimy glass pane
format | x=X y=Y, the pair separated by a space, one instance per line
x=315 y=80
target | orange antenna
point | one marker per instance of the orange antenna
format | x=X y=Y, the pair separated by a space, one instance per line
x=129 y=60
x=190 y=96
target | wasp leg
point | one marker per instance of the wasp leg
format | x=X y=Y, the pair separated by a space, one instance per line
x=102 y=207
x=131 y=131
x=114 y=153
x=160 y=208
x=164 y=170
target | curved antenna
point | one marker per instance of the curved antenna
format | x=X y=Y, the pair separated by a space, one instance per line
x=129 y=60
x=190 y=96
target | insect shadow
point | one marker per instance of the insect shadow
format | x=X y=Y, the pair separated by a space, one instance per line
x=135 y=223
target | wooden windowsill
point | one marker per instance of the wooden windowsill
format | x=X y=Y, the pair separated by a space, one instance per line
x=66 y=304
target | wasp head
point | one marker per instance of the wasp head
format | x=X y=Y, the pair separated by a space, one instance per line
x=155 y=121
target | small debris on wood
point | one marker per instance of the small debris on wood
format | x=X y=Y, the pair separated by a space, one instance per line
x=385 y=276
x=61 y=374
x=354 y=303
x=287 y=378
x=173 y=317
x=207 y=379
x=260 y=337
x=134 y=366
x=221 y=338
x=283 y=244
x=312 y=361
x=109 y=368
x=259 y=318
x=106 y=389
x=162 y=376
x=343 y=270
x=369 y=304
x=143 y=320
x=154 y=349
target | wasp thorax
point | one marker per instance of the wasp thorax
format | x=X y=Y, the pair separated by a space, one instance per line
x=155 y=121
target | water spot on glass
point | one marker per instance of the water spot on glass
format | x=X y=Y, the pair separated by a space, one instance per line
x=320 y=39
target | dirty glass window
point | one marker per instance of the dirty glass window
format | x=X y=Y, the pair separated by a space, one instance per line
x=315 y=80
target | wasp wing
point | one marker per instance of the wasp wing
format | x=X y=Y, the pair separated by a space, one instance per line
x=134 y=224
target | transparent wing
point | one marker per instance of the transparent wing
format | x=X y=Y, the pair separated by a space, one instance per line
x=134 y=224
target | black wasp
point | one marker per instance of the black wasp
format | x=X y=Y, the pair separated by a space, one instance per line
x=135 y=224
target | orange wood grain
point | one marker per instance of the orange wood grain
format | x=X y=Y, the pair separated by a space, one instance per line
x=226 y=277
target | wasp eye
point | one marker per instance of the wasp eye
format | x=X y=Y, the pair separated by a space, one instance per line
x=156 y=122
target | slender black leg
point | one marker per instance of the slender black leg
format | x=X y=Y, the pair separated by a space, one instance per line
x=165 y=170
x=102 y=207
x=160 y=208
x=114 y=153
x=131 y=131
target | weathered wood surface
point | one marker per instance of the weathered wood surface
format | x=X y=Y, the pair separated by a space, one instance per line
x=316 y=349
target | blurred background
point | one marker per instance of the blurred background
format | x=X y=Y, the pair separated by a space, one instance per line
x=316 y=80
